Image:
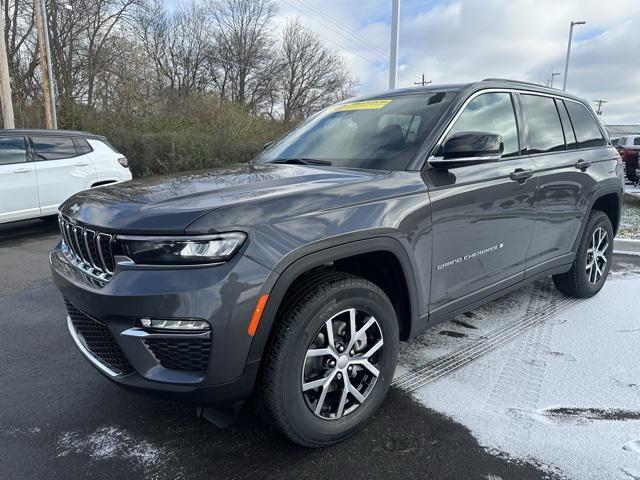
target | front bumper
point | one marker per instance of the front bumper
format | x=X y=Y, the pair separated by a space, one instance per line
x=102 y=320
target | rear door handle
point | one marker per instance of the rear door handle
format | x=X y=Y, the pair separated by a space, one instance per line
x=22 y=170
x=520 y=175
x=582 y=165
x=81 y=164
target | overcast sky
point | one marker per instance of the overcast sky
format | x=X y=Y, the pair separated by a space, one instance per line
x=465 y=40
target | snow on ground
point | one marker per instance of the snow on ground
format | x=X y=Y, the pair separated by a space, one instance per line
x=564 y=393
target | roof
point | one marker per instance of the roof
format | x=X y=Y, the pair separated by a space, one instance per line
x=473 y=86
x=49 y=133
x=623 y=129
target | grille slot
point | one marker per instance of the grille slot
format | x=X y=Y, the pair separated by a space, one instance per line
x=186 y=355
x=98 y=340
x=87 y=249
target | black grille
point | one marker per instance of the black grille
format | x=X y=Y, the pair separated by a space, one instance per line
x=98 y=340
x=187 y=355
x=90 y=250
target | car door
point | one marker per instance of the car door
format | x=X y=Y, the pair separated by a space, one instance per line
x=18 y=183
x=482 y=214
x=61 y=171
x=562 y=169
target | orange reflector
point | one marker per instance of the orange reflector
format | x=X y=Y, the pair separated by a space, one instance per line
x=257 y=314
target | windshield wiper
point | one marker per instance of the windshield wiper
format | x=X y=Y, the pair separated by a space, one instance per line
x=302 y=161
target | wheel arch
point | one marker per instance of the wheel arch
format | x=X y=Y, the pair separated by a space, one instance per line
x=345 y=257
x=607 y=198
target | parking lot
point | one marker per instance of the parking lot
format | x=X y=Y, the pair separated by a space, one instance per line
x=61 y=419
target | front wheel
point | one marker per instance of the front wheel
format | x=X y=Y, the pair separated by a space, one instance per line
x=593 y=259
x=331 y=360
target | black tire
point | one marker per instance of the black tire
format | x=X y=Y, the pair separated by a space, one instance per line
x=318 y=298
x=575 y=282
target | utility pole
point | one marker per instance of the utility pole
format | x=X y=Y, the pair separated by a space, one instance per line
x=5 y=81
x=566 y=63
x=423 y=82
x=600 y=103
x=395 y=37
x=553 y=75
x=45 y=64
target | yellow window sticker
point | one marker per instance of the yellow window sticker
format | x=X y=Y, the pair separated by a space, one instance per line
x=364 y=105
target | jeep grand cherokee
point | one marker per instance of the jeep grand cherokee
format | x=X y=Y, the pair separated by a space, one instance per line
x=295 y=277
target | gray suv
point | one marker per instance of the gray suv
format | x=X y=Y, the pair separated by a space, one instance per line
x=295 y=277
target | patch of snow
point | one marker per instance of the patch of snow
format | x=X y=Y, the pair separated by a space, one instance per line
x=111 y=442
x=563 y=394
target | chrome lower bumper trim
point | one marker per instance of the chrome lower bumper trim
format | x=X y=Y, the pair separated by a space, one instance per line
x=85 y=351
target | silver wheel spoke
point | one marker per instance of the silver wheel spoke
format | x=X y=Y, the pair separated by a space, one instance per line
x=343 y=397
x=314 y=384
x=323 y=395
x=319 y=352
x=330 y=340
x=354 y=391
x=373 y=349
x=366 y=364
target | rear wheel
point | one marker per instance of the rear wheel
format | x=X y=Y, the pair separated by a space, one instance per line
x=332 y=359
x=593 y=259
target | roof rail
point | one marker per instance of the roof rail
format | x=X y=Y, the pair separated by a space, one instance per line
x=513 y=81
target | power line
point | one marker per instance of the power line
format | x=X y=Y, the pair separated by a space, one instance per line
x=340 y=30
x=352 y=33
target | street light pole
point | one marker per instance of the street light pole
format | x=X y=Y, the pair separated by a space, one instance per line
x=566 y=63
x=553 y=75
x=395 y=35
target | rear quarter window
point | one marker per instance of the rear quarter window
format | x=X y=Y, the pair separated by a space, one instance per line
x=636 y=141
x=53 y=148
x=82 y=146
x=587 y=131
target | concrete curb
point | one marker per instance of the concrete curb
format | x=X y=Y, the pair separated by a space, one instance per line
x=627 y=246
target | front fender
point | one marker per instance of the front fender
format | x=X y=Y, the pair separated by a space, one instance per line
x=297 y=263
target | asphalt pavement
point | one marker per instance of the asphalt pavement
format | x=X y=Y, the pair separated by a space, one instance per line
x=59 y=418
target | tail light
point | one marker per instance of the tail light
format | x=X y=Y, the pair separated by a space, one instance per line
x=124 y=162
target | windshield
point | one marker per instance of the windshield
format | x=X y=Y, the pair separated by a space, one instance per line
x=382 y=133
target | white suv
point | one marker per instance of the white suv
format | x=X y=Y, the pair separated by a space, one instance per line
x=39 y=169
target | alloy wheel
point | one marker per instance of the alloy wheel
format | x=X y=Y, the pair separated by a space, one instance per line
x=597 y=255
x=341 y=364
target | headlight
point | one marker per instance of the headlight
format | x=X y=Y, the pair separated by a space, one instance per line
x=182 y=250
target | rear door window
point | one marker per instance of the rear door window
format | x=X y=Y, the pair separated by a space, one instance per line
x=53 y=148
x=567 y=128
x=586 y=128
x=636 y=141
x=12 y=150
x=544 y=130
x=491 y=113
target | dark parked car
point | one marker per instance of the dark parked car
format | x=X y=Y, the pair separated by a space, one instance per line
x=629 y=147
x=295 y=277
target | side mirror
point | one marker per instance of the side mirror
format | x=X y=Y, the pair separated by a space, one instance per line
x=469 y=148
x=268 y=145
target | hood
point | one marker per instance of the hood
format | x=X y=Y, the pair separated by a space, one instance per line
x=169 y=204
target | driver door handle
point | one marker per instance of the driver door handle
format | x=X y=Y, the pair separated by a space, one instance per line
x=582 y=165
x=520 y=175
x=81 y=164
x=22 y=170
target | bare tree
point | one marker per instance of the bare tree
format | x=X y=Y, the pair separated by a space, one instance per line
x=312 y=75
x=179 y=44
x=244 y=50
